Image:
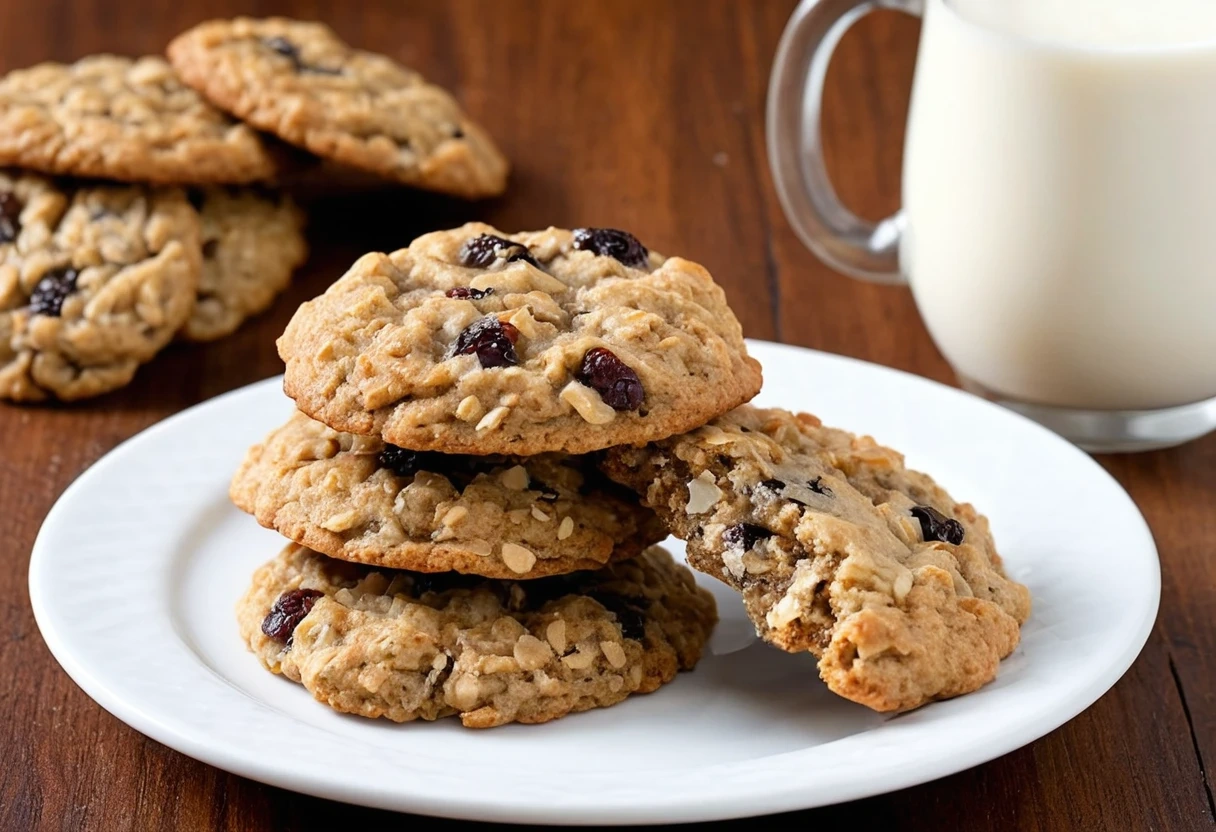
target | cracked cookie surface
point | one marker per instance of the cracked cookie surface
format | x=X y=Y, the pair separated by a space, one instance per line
x=253 y=241
x=94 y=281
x=113 y=117
x=301 y=82
x=406 y=646
x=472 y=341
x=355 y=498
x=838 y=549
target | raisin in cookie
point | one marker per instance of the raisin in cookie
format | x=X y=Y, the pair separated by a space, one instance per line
x=93 y=282
x=470 y=341
x=253 y=241
x=838 y=549
x=122 y=118
x=355 y=498
x=302 y=83
x=407 y=646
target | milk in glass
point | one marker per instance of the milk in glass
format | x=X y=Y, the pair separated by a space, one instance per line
x=1060 y=198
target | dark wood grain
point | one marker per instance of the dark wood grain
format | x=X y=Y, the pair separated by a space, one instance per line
x=647 y=116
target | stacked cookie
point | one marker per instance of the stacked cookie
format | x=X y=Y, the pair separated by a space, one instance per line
x=96 y=278
x=464 y=553
x=359 y=110
x=493 y=429
x=838 y=550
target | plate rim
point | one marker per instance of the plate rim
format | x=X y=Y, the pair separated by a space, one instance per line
x=476 y=805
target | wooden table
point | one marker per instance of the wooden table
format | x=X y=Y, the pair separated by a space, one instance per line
x=645 y=116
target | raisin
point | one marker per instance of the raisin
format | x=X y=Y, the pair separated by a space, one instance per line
x=283 y=46
x=10 y=217
x=818 y=487
x=457 y=132
x=778 y=486
x=617 y=384
x=491 y=340
x=628 y=615
x=287 y=613
x=610 y=242
x=52 y=290
x=481 y=252
x=406 y=463
x=401 y=462
x=745 y=536
x=459 y=469
x=292 y=52
x=936 y=526
x=425 y=582
x=464 y=293
x=210 y=247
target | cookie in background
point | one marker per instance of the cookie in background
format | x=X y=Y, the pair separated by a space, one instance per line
x=135 y=121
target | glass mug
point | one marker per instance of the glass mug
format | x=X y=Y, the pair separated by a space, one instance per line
x=1058 y=229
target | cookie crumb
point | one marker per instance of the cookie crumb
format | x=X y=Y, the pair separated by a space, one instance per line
x=587 y=403
x=903 y=585
x=479 y=547
x=556 y=634
x=469 y=409
x=517 y=558
x=703 y=493
x=341 y=522
x=524 y=322
x=716 y=436
x=581 y=659
x=454 y=515
x=531 y=653
x=566 y=528
x=515 y=478
x=614 y=653
x=493 y=419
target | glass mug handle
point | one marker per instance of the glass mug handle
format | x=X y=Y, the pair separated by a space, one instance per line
x=835 y=234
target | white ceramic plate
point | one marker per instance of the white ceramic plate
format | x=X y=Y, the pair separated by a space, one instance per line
x=138 y=566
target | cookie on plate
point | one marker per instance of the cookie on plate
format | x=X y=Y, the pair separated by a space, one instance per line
x=304 y=84
x=121 y=118
x=405 y=645
x=471 y=341
x=355 y=498
x=837 y=549
x=253 y=241
x=94 y=281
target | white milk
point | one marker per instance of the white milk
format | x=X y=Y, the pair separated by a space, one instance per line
x=1060 y=197
x=1134 y=23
